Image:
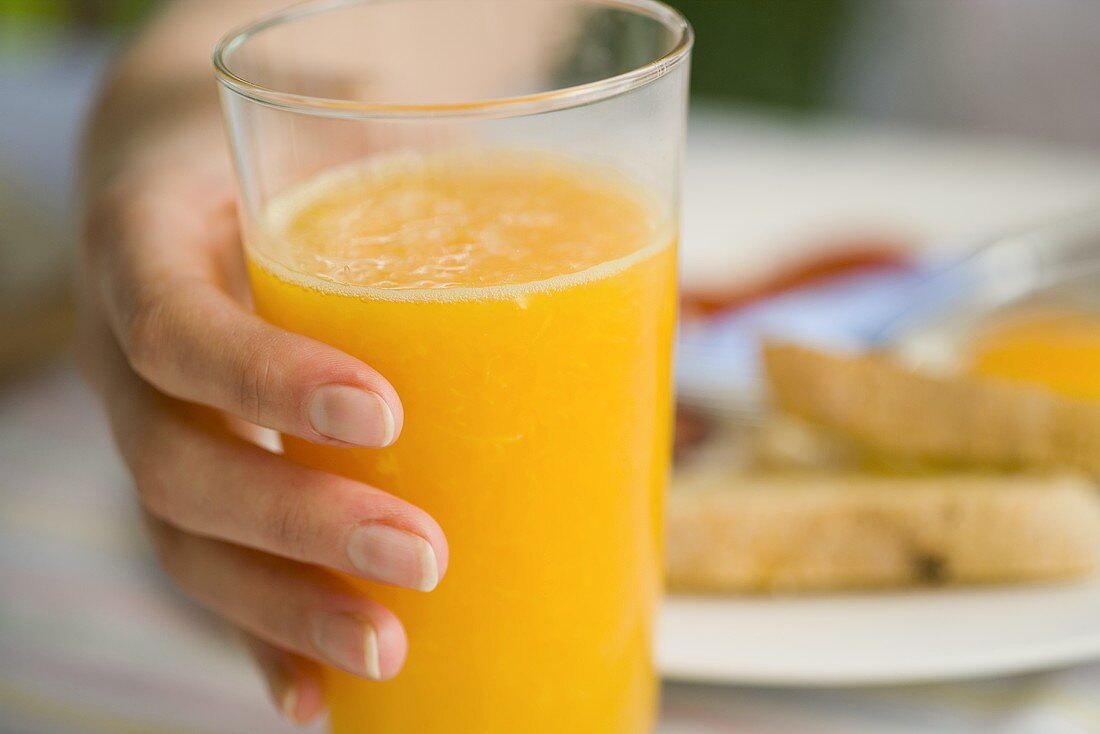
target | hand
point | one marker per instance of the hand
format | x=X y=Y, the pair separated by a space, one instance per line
x=166 y=343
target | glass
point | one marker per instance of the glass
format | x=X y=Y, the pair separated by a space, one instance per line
x=479 y=199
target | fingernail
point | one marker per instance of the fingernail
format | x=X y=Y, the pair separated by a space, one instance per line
x=283 y=691
x=393 y=556
x=351 y=415
x=349 y=643
x=288 y=703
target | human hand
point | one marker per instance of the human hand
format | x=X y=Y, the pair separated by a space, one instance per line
x=181 y=365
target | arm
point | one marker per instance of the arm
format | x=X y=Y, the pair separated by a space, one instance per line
x=163 y=81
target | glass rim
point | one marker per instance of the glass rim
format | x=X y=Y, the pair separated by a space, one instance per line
x=515 y=106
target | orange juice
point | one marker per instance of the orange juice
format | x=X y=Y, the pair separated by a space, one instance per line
x=1059 y=348
x=523 y=307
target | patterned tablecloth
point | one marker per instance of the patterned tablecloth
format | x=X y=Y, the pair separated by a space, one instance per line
x=94 y=640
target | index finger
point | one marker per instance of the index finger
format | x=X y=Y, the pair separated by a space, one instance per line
x=161 y=262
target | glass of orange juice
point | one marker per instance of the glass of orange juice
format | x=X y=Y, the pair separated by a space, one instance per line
x=479 y=199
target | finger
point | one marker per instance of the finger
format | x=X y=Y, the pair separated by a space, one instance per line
x=210 y=482
x=293 y=681
x=99 y=360
x=214 y=484
x=296 y=607
x=160 y=256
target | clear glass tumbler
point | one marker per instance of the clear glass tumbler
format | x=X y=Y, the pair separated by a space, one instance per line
x=479 y=199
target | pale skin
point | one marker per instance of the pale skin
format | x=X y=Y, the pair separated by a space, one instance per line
x=186 y=372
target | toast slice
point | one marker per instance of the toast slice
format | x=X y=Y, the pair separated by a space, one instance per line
x=942 y=420
x=733 y=532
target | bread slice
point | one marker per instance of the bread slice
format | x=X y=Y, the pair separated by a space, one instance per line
x=733 y=532
x=961 y=420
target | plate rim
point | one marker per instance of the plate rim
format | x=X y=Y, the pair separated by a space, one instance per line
x=1016 y=660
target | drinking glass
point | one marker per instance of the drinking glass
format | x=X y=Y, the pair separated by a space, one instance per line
x=479 y=199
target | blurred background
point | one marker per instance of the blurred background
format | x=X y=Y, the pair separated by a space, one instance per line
x=857 y=127
x=1011 y=76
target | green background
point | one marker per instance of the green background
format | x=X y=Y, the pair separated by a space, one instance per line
x=765 y=52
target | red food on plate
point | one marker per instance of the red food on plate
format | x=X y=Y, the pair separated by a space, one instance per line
x=834 y=260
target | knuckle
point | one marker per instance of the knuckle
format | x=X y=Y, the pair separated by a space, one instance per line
x=289 y=526
x=168 y=551
x=146 y=331
x=257 y=390
x=154 y=492
x=151 y=473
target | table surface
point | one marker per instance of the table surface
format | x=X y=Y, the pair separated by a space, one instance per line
x=93 y=639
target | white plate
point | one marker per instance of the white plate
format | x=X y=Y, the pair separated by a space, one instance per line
x=866 y=639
